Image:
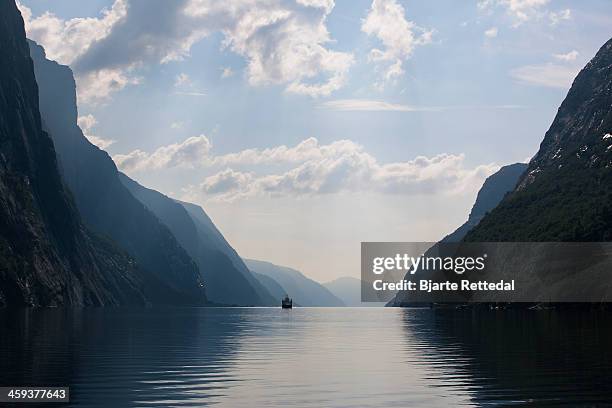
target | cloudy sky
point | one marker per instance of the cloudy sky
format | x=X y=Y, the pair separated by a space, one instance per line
x=304 y=127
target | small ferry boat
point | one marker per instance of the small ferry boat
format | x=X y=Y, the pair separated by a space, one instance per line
x=287 y=302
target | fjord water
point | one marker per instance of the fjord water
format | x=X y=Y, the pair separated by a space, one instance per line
x=311 y=357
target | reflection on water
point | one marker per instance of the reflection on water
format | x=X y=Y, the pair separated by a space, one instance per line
x=310 y=357
x=546 y=358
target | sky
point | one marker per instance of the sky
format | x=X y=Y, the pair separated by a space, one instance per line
x=304 y=127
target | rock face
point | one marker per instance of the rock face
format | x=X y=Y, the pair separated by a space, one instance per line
x=217 y=252
x=566 y=193
x=226 y=278
x=47 y=256
x=489 y=196
x=168 y=273
x=303 y=291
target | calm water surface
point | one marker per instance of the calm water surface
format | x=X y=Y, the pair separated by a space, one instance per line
x=308 y=357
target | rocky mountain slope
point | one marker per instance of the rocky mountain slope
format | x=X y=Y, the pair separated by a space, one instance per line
x=47 y=256
x=216 y=243
x=566 y=192
x=225 y=281
x=169 y=274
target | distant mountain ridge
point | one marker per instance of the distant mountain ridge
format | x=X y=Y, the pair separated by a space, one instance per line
x=168 y=273
x=303 y=290
x=566 y=192
x=47 y=256
x=347 y=289
x=273 y=287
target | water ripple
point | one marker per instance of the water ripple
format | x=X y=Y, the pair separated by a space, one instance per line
x=307 y=357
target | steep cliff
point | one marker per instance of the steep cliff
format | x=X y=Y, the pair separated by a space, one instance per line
x=566 y=193
x=222 y=257
x=226 y=279
x=47 y=257
x=169 y=275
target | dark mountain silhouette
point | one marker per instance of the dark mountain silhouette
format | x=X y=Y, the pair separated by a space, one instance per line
x=566 y=193
x=272 y=286
x=226 y=279
x=47 y=256
x=169 y=274
x=303 y=290
x=489 y=196
x=225 y=275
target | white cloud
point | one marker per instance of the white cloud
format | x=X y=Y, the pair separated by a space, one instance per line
x=182 y=79
x=97 y=86
x=101 y=143
x=568 y=57
x=345 y=166
x=547 y=75
x=86 y=123
x=66 y=40
x=227 y=72
x=190 y=93
x=519 y=10
x=226 y=182
x=185 y=86
x=399 y=37
x=522 y=11
x=188 y=153
x=328 y=5
x=491 y=32
x=196 y=152
x=309 y=168
x=556 y=17
x=284 y=42
x=308 y=149
x=370 y=106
